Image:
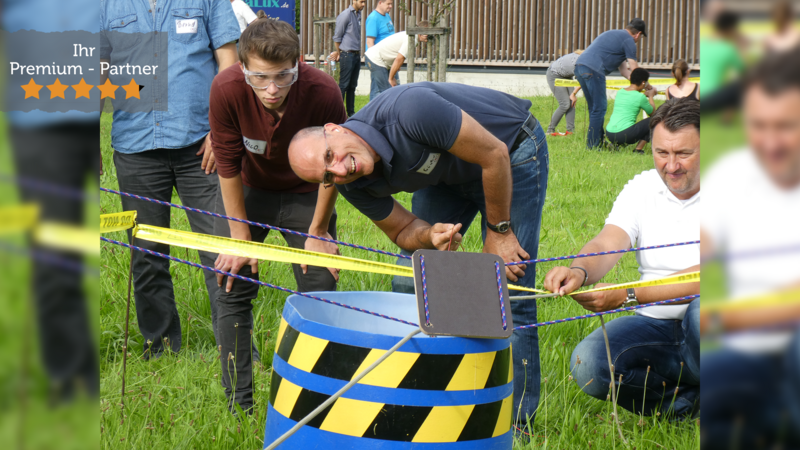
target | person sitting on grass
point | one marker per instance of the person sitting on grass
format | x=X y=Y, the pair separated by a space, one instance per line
x=622 y=127
x=657 y=351
x=682 y=87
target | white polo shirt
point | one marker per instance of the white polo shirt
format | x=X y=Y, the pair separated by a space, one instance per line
x=384 y=52
x=244 y=15
x=652 y=215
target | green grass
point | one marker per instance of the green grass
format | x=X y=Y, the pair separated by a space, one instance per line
x=177 y=401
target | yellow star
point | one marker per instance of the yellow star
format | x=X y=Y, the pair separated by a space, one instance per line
x=107 y=89
x=32 y=89
x=131 y=89
x=57 y=89
x=82 y=89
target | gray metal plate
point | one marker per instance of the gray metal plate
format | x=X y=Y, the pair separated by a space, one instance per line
x=463 y=297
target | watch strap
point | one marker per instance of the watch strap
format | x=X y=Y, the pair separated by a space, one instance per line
x=585 y=274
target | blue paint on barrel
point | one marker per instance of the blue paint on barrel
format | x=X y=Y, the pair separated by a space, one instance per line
x=434 y=393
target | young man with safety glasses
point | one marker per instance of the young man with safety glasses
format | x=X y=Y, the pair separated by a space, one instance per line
x=256 y=108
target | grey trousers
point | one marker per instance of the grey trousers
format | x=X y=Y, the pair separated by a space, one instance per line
x=564 y=104
x=234 y=308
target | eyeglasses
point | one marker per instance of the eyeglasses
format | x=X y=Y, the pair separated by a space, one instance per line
x=327 y=177
x=262 y=80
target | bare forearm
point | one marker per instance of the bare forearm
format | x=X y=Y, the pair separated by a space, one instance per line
x=415 y=236
x=326 y=202
x=396 y=65
x=370 y=41
x=596 y=266
x=755 y=318
x=226 y=56
x=653 y=294
x=233 y=199
x=497 y=188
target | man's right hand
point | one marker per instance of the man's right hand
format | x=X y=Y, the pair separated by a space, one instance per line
x=441 y=233
x=334 y=56
x=573 y=99
x=563 y=280
x=232 y=264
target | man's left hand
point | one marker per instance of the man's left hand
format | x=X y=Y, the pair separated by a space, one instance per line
x=507 y=247
x=208 y=164
x=315 y=245
x=603 y=300
x=393 y=82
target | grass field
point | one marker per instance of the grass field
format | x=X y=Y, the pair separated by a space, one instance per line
x=177 y=402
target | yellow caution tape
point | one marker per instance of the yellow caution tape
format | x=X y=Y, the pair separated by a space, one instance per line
x=18 y=218
x=624 y=83
x=779 y=298
x=228 y=246
x=690 y=277
x=117 y=221
x=67 y=237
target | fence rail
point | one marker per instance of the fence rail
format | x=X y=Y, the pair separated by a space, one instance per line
x=533 y=33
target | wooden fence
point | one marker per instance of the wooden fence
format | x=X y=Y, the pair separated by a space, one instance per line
x=534 y=33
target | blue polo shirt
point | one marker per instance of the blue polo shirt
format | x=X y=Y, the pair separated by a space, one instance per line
x=379 y=26
x=413 y=126
x=608 y=51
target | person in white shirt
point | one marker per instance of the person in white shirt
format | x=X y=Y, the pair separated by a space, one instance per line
x=385 y=59
x=244 y=15
x=660 y=344
x=752 y=225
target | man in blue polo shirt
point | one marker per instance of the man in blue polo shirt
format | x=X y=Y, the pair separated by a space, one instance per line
x=612 y=50
x=461 y=150
x=379 y=23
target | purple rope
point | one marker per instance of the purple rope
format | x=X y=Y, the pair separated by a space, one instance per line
x=256 y=224
x=47 y=258
x=500 y=290
x=49 y=188
x=260 y=283
x=424 y=291
x=612 y=252
x=587 y=316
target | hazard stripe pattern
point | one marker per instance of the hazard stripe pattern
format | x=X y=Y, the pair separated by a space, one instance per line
x=401 y=370
x=392 y=422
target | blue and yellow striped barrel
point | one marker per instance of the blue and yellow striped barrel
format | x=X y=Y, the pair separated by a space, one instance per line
x=433 y=393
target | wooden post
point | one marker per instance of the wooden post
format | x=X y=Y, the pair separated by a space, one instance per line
x=317 y=42
x=443 y=44
x=411 y=22
x=429 y=58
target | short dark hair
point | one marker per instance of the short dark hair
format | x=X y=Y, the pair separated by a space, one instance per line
x=776 y=73
x=270 y=40
x=639 y=76
x=726 y=21
x=677 y=114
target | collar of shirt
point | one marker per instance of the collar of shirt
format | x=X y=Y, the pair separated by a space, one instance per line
x=378 y=143
x=664 y=191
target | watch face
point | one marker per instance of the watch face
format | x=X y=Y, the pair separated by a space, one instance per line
x=502 y=227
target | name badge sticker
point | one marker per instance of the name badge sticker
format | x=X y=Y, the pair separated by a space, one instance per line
x=430 y=163
x=253 y=146
x=186 y=26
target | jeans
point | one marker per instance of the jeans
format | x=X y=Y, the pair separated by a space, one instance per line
x=460 y=204
x=564 y=104
x=154 y=174
x=292 y=211
x=638 y=342
x=754 y=399
x=593 y=84
x=349 y=66
x=63 y=155
x=640 y=131
x=379 y=79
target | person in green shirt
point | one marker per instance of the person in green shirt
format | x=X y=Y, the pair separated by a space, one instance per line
x=622 y=128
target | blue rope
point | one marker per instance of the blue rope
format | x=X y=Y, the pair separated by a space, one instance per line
x=424 y=290
x=500 y=290
x=49 y=188
x=612 y=252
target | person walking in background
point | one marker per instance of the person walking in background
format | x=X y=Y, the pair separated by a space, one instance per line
x=385 y=60
x=612 y=50
x=622 y=127
x=379 y=23
x=244 y=15
x=347 y=39
x=563 y=68
x=682 y=87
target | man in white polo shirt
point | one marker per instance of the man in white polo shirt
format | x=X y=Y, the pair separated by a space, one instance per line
x=385 y=59
x=657 y=350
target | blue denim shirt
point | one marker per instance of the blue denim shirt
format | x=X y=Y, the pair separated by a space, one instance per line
x=191 y=67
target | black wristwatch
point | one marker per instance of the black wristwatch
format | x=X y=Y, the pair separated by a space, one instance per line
x=501 y=227
x=631 y=300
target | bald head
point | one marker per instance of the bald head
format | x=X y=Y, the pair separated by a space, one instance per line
x=304 y=154
x=332 y=150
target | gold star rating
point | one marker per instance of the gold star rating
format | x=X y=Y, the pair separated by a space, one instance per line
x=82 y=89
x=57 y=89
x=131 y=89
x=32 y=89
x=107 y=89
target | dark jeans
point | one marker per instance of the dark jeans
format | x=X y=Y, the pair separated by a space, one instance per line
x=640 y=131
x=727 y=97
x=379 y=79
x=460 y=204
x=753 y=400
x=63 y=155
x=154 y=174
x=638 y=342
x=349 y=67
x=593 y=84
x=292 y=211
